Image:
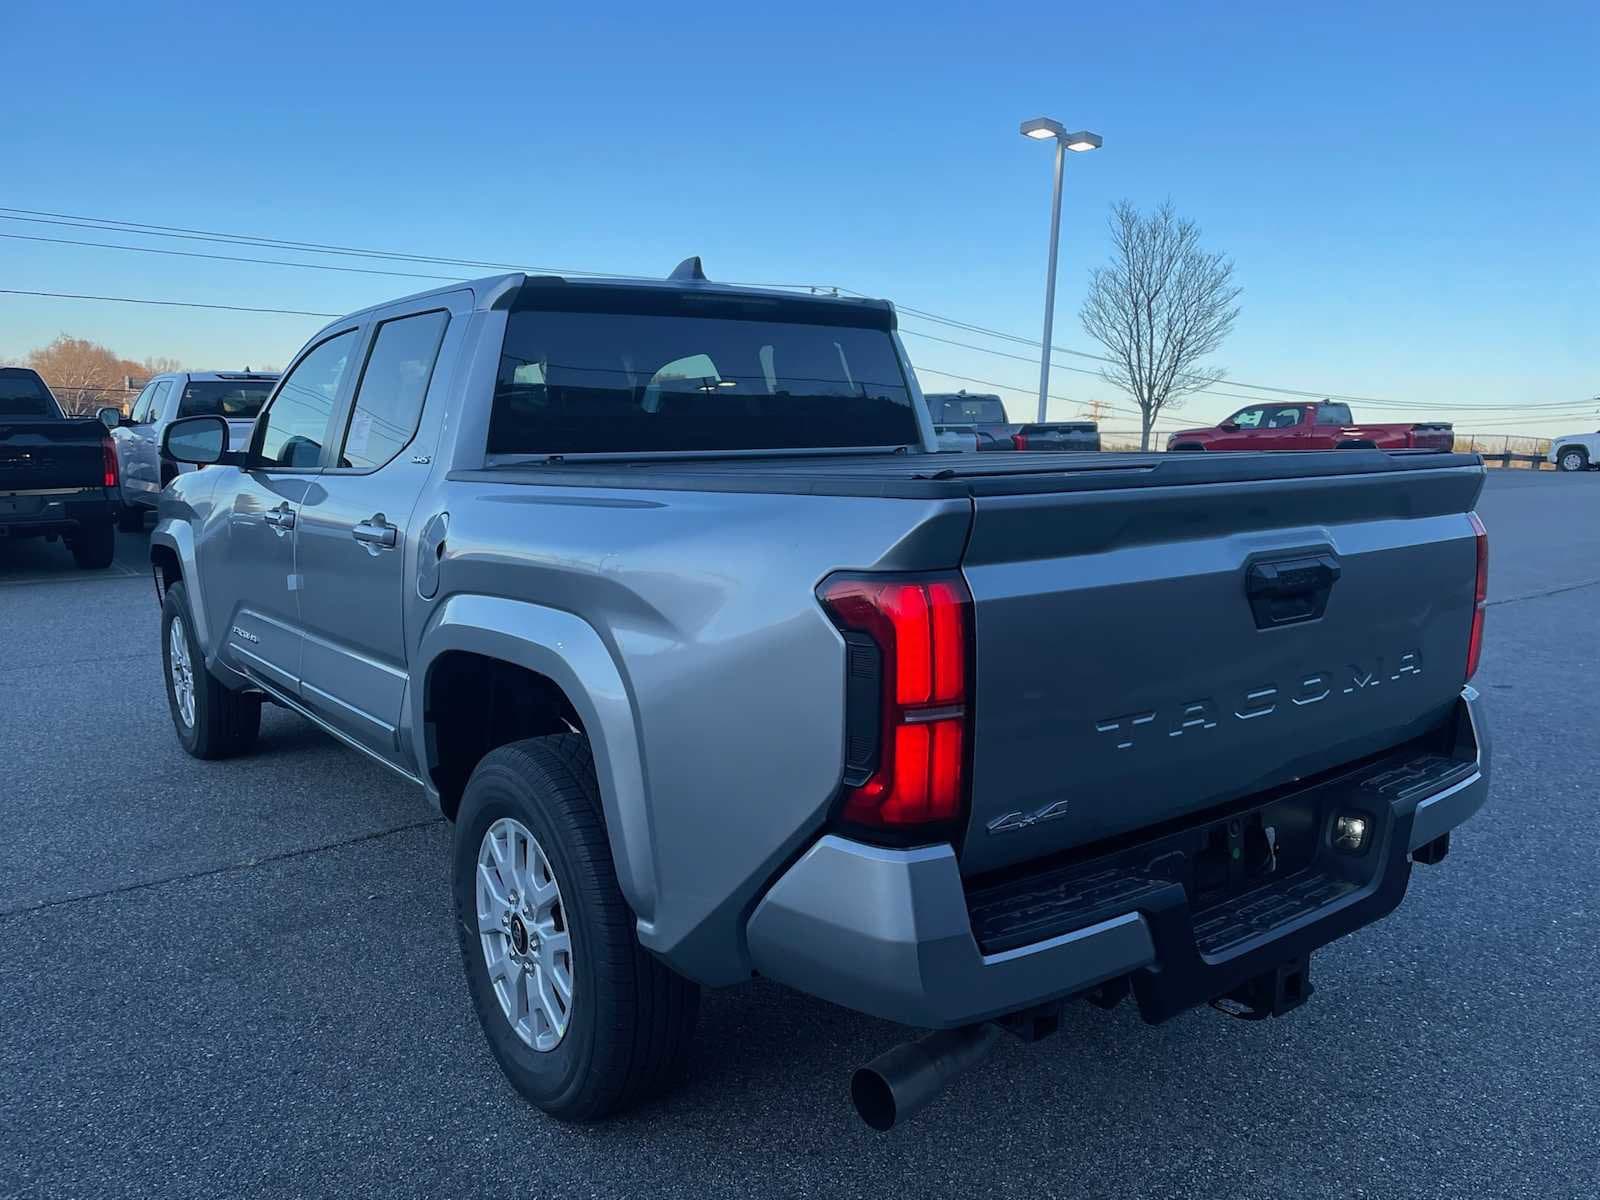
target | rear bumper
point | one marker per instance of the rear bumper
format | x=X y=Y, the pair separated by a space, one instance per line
x=38 y=514
x=898 y=935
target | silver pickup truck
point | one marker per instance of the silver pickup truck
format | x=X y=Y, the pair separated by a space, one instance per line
x=661 y=594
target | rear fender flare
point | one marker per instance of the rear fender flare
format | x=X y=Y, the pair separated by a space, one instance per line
x=567 y=650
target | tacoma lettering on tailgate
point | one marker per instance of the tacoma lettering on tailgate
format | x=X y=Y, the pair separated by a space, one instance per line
x=1196 y=716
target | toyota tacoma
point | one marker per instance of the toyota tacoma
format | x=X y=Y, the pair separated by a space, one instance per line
x=660 y=593
x=1323 y=426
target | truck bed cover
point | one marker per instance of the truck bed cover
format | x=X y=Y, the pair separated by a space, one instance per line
x=943 y=476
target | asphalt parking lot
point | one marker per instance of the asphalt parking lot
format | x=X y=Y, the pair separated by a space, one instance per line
x=240 y=978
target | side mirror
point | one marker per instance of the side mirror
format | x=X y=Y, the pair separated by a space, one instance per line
x=111 y=418
x=1229 y=427
x=200 y=440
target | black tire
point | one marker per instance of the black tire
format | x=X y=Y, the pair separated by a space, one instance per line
x=1577 y=456
x=132 y=519
x=631 y=1018
x=94 y=546
x=225 y=722
x=1357 y=444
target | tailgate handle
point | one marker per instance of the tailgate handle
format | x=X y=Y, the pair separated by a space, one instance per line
x=1291 y=590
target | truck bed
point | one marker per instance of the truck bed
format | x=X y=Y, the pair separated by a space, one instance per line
x=1139 y=654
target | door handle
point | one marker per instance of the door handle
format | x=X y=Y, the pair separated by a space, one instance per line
x=281 y=517
x=375 y=531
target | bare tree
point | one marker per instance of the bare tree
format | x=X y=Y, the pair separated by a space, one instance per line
x=1161 y=306
x=84 y=375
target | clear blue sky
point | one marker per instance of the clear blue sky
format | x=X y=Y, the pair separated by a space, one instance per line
x=1410 y=192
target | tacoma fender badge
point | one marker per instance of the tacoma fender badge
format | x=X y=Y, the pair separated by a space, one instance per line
x=1020 y=820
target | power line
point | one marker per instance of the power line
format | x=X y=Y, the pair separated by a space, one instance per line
x=288 y=312
x=271 y=262
x=1240 y=395
x=180 y=231
x=175 y=231
x=108 y=224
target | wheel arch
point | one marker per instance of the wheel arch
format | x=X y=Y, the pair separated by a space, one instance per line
x=557 y=667
x=172 y=561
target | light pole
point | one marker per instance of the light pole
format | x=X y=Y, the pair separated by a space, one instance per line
x=1041 y=129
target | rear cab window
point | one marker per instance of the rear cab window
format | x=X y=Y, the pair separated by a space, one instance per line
x=603 y=371
x=1334 y=414
x=238 y=400
x=972 y=410
x=23 y=395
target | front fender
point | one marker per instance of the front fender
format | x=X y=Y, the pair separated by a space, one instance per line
x=565 y=649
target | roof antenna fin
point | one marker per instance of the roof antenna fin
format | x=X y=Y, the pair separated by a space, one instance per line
x=689 y=268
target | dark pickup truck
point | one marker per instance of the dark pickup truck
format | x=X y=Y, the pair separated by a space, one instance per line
x=58 y=475
x=983 y=418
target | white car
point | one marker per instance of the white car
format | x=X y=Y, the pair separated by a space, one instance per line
x=1575 y=451
x=236 y=396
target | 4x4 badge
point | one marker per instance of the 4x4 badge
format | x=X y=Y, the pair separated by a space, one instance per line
x=1020 y=820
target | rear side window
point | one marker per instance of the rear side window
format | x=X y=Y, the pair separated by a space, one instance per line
x=618 y=382
x=1334 y=414
x=389 y=397
x=297 y=422
x=234 y=399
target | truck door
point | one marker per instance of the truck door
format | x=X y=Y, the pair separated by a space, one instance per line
x=1242 y=430
x=254 y=598
x=138 y=442
x=357 y=537
x=1284 y=428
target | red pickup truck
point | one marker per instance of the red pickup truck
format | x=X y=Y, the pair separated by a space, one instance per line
x=1316 y=426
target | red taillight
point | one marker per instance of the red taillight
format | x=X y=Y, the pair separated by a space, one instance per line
x=108 y=460
x=1475 y=641
x=1019 y=441
x=921 y=629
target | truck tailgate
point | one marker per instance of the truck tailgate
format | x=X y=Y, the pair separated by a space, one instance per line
x=1146 y=652
x=46 y=455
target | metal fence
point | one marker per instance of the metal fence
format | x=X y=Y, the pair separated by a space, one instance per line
x=86 y=401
